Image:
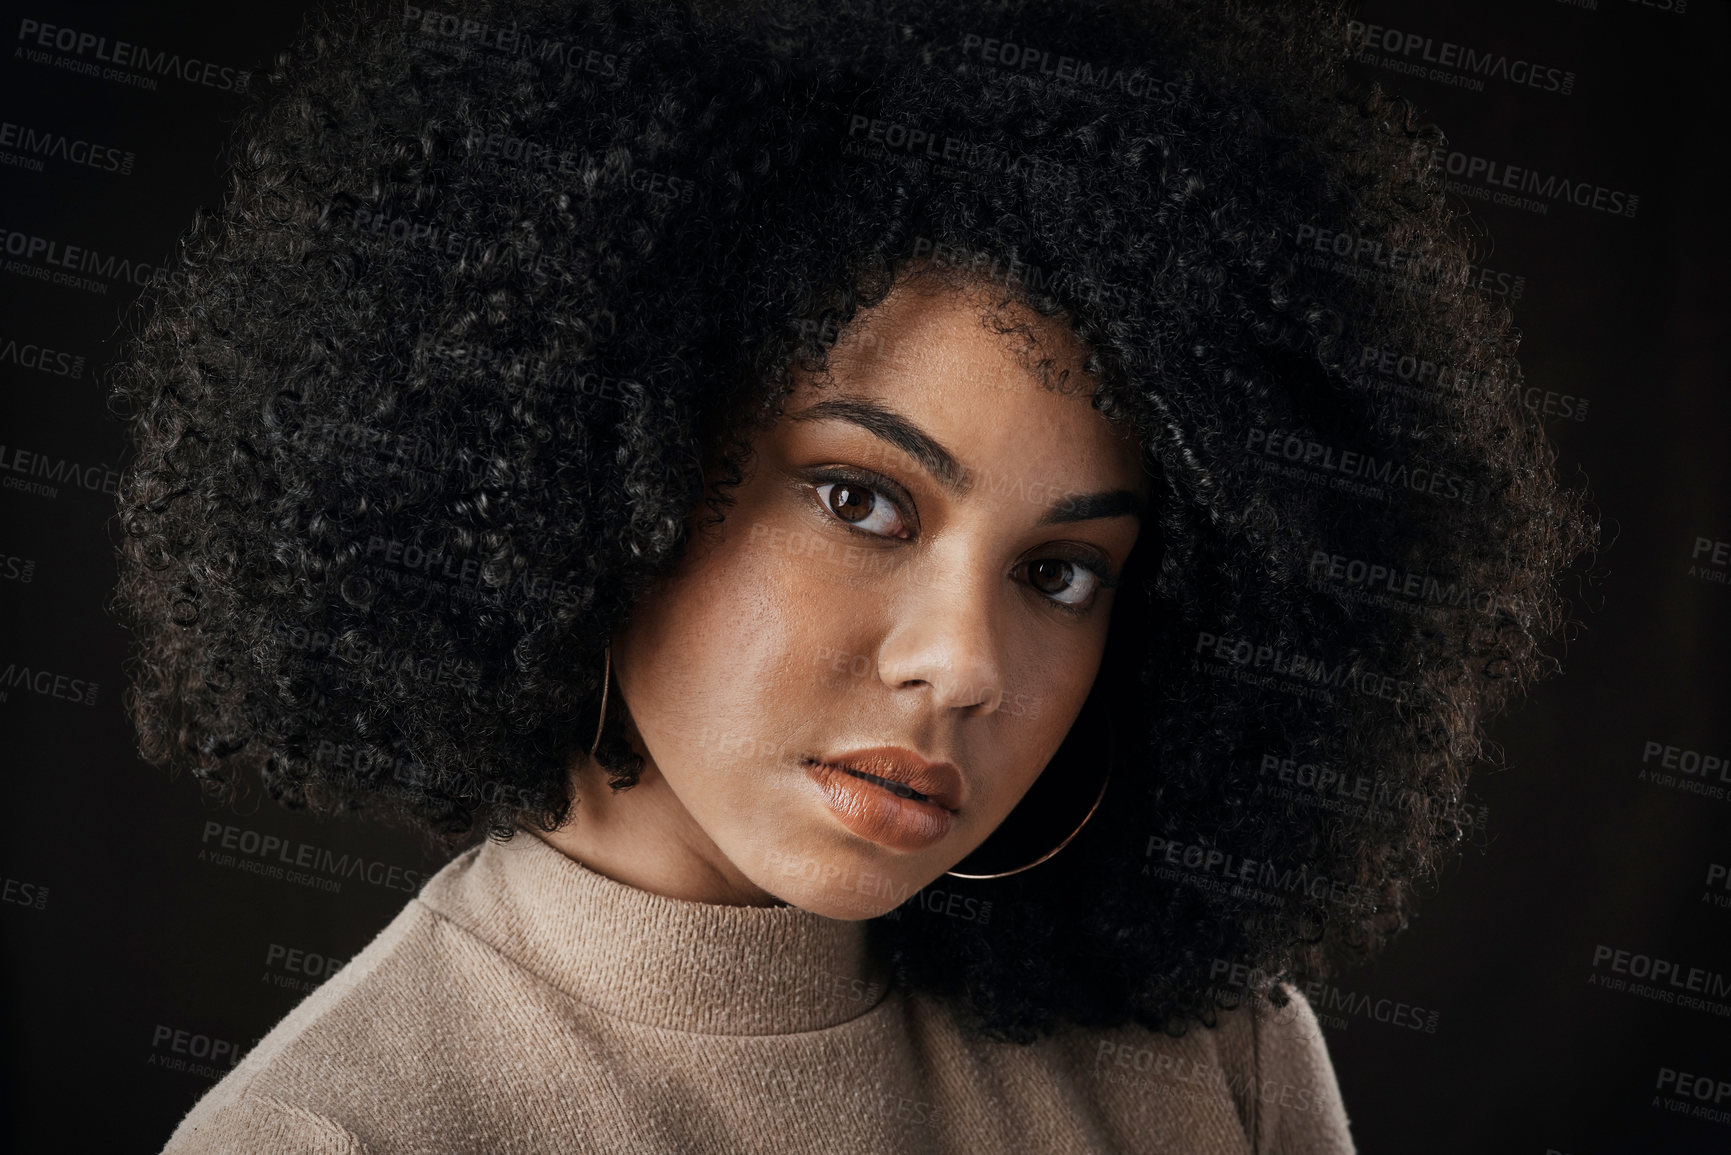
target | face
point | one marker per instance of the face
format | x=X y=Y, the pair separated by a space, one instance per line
x=846 y=687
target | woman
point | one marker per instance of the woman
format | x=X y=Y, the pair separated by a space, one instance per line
x=892 y=523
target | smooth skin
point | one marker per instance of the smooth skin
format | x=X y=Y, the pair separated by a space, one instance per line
x=914 y=559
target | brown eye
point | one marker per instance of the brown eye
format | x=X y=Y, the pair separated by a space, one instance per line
x=858 y=506
x=1067 y=583
x=851 y=503
x=1050 y=576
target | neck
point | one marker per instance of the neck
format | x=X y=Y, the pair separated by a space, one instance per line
x=644 y=837
x=691 y=967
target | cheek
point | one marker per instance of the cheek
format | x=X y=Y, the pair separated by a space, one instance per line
x=718 y=657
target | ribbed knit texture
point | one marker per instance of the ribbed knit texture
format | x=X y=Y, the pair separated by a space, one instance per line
x=524 y=1003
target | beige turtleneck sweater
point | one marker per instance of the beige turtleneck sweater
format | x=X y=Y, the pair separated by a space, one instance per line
x=524 y=1003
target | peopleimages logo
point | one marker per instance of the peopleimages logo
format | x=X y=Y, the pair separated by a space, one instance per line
x=1008 y=57
x=1709 y=1094
x=887 y=140
x=1367 y=257
x=1356 y=471
x=1710 y=560
x=46 y=683
x=26 y=147
x=1454 y=64
x=1661 y=980
x=1330 y=1003
x=269 y=854
x=1272 y=664
x=1500 y=177
x=192 y=1052
x=76 y=266
x=508 y=43
x=124 y=57
x=30 y=355
x=1223 y=873
x=1308 y=783
x=1386 y=584
x=20 y=893
x=1681 y=768
x=27 y=463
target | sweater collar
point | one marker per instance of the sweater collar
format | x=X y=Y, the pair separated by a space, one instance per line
x=689 y=966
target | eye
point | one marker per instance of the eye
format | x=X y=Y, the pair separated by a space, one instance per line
x=861 y=507
x=1065 y=582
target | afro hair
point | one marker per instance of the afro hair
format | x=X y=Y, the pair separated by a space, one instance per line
x=493 y=299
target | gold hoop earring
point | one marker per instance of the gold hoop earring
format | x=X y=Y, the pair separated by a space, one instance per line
x=606 y=677
x=1104 y=781
x=1068 y=838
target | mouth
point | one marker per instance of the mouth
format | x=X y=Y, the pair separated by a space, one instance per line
x=902 y=772
x=891 y=785
x=885 y=810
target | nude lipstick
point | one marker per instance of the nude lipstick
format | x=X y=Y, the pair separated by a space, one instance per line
x=889 y=794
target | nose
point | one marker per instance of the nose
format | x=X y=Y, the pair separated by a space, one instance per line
x=943 y=635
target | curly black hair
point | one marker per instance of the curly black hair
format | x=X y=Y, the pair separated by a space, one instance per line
x=497 y=298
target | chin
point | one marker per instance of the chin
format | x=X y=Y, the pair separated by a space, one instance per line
x=838 y=884
x=848 y=908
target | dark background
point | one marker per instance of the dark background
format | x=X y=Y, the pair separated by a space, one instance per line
x=138 y=962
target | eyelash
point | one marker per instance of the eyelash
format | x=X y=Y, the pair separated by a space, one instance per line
x=883 y=488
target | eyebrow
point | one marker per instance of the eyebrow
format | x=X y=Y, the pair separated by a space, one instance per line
x=1088 y=506
x=885 y=423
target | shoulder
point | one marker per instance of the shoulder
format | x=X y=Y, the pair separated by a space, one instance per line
x=287 y=1093
x=1284 y=1080
x=382 y=1052
x=1260 y=1081
x=239 y=1121
x=1257 y=1082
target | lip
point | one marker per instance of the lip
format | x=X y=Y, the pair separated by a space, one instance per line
x=874 y=810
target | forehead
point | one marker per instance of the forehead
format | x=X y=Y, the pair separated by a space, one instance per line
x=1001 y=387
x=962 y=336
